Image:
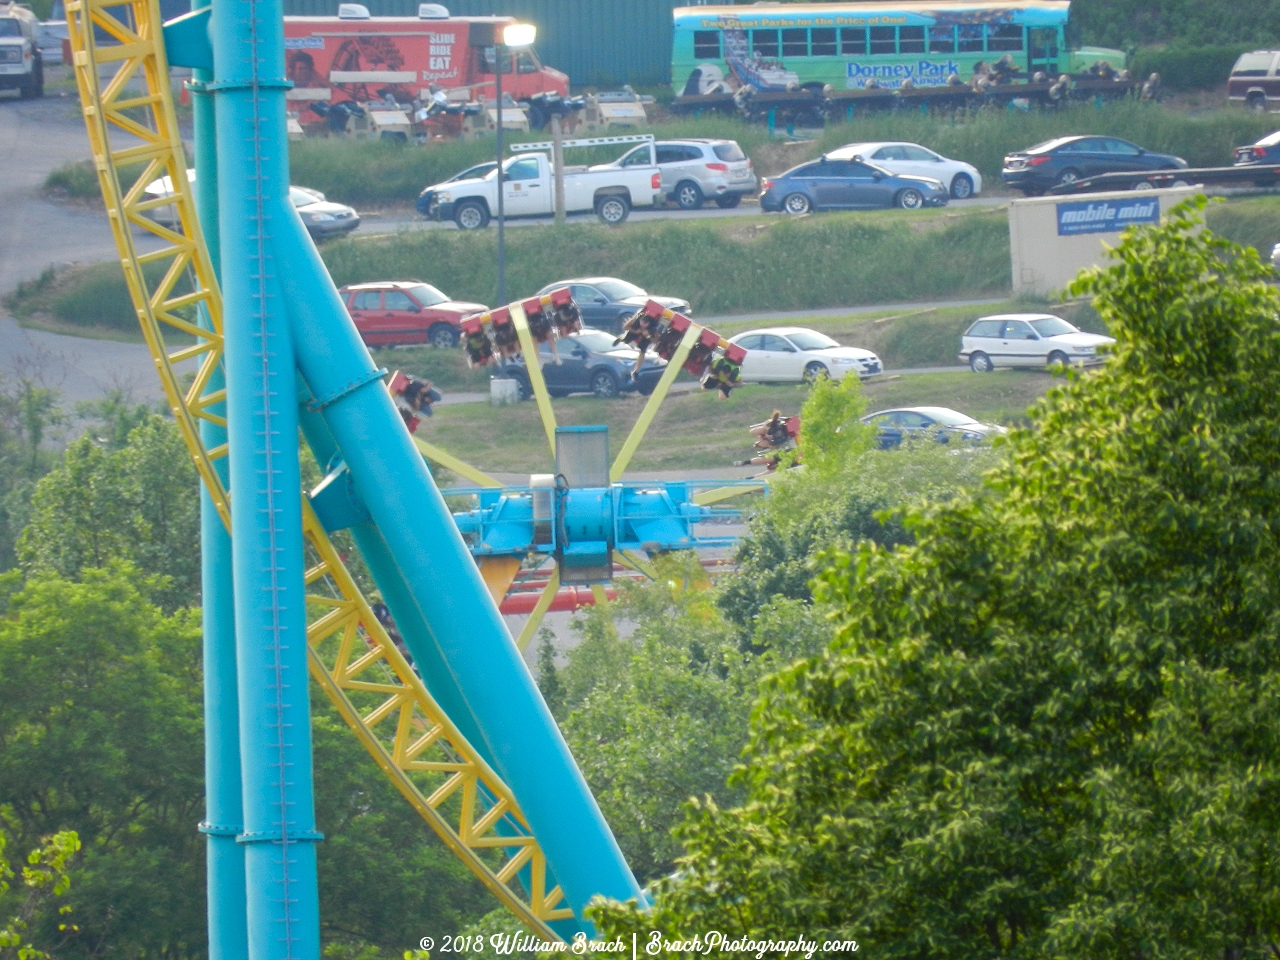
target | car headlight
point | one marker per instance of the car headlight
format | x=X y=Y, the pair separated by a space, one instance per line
x=840 y=361
x=318 y=217
x=443 y=196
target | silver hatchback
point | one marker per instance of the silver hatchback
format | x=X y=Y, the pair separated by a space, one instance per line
x=696 y=170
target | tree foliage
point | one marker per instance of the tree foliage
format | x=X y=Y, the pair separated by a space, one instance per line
x=1048 y=727
x=135 y=501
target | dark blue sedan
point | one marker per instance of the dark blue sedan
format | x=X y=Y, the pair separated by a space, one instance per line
x=1265 y=151
x=848 y=184
x=1064 y=160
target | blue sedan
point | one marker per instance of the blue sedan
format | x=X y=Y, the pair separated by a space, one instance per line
x=853 y=184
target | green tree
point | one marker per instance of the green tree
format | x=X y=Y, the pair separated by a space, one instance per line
x=27 y=413
x=137 y=502
x=45 y=877
x=1047 y=727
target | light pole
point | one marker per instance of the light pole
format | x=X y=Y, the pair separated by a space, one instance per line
x=513 y=35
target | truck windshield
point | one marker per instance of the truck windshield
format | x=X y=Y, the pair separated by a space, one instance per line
x=10 y=28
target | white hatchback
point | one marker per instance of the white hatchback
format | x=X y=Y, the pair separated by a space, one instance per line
x=962 y=179
x=1028 y=340
x=782 y=354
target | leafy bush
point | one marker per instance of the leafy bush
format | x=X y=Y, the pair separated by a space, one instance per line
x=1120 y=23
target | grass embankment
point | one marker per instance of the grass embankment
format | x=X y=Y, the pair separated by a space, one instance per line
x=697 y=430
x=372 y=173
x=738 y=265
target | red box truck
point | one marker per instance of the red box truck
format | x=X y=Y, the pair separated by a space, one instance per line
x=361 y=58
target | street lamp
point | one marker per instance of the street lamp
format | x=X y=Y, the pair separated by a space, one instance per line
x=513 y=35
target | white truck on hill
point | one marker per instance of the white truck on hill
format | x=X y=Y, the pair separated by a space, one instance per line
x=528 y=181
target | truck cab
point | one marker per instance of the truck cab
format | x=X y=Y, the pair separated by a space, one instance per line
x=21 y=67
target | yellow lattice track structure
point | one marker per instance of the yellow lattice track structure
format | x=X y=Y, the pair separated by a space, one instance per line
x=351 y=657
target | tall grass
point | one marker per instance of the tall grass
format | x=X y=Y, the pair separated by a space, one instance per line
x=1254 y=222
x=841 y=259
x=93 y=296
x=371 y=172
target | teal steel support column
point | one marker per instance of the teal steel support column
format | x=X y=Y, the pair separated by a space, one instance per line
x=471 y=640
x=279 y=835
x=224 y=814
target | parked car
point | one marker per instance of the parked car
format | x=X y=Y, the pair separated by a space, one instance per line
x=961 y=179
x=397 y=312
x=606 y=302
x=696 y=170
x=1254 y=81
x=905 y=423
x=590 y=362
x=1028 y=340
x=1065 y=160
x=827 y=184
x=783 y=354
x=322 y=218
x=478 y=172
x=1265 y=151
x=528 y=190
x=21 y=62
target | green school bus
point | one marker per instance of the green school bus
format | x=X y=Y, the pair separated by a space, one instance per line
x=791 y=46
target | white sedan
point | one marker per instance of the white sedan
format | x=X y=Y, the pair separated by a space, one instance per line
x=780 y=354
x=962 y=179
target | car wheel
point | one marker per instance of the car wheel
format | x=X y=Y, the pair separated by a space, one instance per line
x=1144 y=185
x=815 y=371
x=39 y=79
x=647 y=388
x=910 y=199
x=796 y=203
x=539 y=116
x=1059 y=359
x=613 y=209
x=1067 y=176
x=961 y=186
x=471 y=215
x=557 y=393
x=442 y=336
x=979 y=362
x=688 y=195
x=604 y=384
x=729 y=202
x=1256 y=102
x=523 y=386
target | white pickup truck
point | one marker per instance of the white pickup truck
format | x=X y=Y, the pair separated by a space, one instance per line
x=528 y=181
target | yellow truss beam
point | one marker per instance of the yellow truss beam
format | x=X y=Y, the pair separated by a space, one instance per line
x=650 y=410
x=539 y=610
x=533 y=366
x=450 y=462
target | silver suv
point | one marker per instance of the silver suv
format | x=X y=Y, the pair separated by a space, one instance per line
x=695 y=171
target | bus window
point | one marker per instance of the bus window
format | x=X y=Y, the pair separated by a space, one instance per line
x=764 y=43
x=942 y=39
x=911 y=39
x=883 y=40
x=970 y=37
x=853 y=41
x=706 y=44
x=822 y=43
x=795 y=43
x=1006 y=36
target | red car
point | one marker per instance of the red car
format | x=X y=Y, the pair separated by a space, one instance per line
x=394 y=312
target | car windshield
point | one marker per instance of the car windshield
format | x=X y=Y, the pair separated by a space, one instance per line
x=1052 y=327
x=729 y=152
x=9 y=28
x=949 y=418
x=300 y=198
x=619 y=289
x=596 y=341
x=811 y=340
x=427 y=295
x=1270 y=140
